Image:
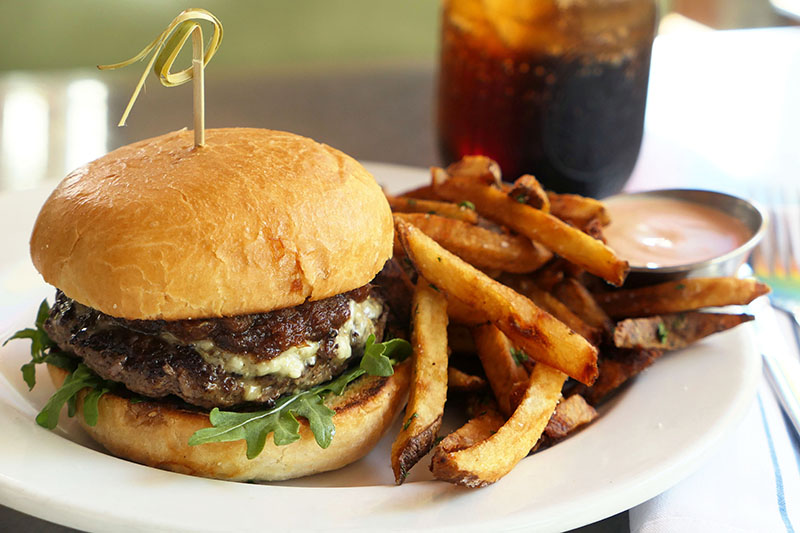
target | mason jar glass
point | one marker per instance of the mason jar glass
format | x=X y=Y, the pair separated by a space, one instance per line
x=553 y=88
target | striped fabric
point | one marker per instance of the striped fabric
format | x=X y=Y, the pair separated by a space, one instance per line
x=751 y=483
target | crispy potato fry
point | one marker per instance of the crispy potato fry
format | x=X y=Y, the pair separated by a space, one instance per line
x=540 y=335
x=425 y=192
x=671 y=332
x=681 y=295
x=570 y=414
x=617 y=365
x=477 y=429
x=595 y=230
x=480 y=247
x=563 y=239
x=438 y=175
x=477 y=167
x=582 y=303
x=503 y=370
x=400 y=204
x=461 y=313
x=490 y=459
x=578 y=210
x=517 y=393
x=554 y=306
x=550 y=275
x=423 y=416
x=461 y=381
x=528 y=190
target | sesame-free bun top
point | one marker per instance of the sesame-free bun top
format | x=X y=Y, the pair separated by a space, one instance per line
x=253 y=221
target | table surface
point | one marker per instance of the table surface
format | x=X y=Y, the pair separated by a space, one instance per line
x=722 y=114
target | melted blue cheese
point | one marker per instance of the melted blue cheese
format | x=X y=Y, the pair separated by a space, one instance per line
x=292 y=362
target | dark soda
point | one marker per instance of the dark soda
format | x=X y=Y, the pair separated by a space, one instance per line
x=557 y=103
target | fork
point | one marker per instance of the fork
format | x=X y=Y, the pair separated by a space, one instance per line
x=776 y=262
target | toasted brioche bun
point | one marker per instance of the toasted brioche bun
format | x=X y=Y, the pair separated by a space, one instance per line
x=255 y=220
x=156 y=434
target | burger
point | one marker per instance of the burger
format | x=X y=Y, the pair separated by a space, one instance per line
x=213 y=302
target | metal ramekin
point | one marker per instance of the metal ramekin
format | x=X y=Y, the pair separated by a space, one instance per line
x=753 y=217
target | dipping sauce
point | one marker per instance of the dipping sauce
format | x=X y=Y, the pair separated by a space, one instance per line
x=660 y=232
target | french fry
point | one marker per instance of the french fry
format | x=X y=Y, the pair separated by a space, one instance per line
x=556 y=235
x=424 y=192
x=428 y=392
x=480 y=247
x=617 y=366
x=528 y=190
x=477 y=429
x=571 y=414
x=541 y=336
x=578 y=210
x=461 y=313
x=554 y=306
x=551 y=274
x=478 y=167
x=681 y=295
x=503 y=370
x=582 y=303
x=490 y=459
x=461 y=381
x=594 y=229
x=671 y=332
x=400 y=204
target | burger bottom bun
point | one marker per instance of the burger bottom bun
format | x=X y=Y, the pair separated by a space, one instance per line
x=156 y=434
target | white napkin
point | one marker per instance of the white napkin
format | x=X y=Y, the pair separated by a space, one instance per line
x=750 y=483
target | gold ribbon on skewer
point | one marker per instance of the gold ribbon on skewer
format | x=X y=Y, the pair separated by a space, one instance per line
x=165 y=50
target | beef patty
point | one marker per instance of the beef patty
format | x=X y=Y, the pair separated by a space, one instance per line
x=221 y=362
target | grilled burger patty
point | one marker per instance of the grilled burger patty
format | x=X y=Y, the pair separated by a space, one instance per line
x=221 y=362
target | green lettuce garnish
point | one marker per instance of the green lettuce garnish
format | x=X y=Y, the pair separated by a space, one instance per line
x=281 y=419
x=44 y=350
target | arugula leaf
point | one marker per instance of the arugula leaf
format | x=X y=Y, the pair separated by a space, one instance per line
x=78 y=380
x=29 y=374
x=376 y=360
x=62 y=360
x=41 y=344
x=281 y=419
x=42 y=314
x=90 y=411
x=319 y=416
x=44 y=350
x=72 y=405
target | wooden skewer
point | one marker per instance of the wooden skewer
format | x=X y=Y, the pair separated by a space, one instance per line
x=199 y=87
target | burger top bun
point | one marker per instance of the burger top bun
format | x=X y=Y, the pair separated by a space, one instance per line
x=254 y=221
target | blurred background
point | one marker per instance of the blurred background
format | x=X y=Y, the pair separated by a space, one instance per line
x=43 y=35
x=330 y=70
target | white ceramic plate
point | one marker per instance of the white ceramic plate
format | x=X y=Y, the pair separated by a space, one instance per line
x=654 y=433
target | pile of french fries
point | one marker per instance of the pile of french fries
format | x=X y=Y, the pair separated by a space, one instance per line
x=522 y=279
